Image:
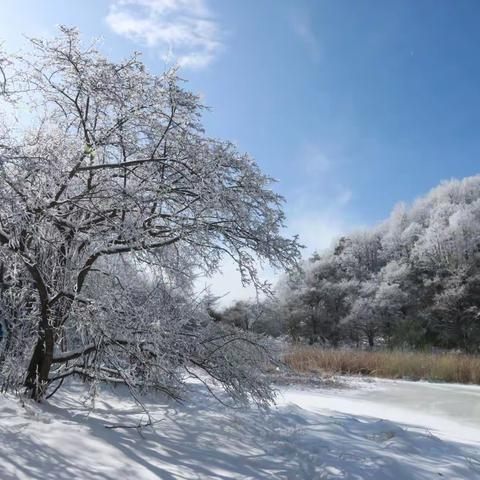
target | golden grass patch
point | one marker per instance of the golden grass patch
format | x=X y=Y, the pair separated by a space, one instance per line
x=443 y=367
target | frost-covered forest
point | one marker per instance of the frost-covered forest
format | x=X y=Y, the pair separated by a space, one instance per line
x=411 y=281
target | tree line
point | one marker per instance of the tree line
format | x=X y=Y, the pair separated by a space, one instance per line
x=411 y=281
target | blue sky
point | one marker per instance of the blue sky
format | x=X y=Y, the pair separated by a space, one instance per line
x=352 y=105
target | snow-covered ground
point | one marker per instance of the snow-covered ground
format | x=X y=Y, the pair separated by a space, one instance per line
x=375 y=430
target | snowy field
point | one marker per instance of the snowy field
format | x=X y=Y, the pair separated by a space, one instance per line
x=367 y=429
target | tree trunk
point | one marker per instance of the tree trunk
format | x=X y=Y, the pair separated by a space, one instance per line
x=314 y=331
x=36 y=381
x=371 y=339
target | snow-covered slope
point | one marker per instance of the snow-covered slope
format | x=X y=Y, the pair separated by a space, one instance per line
x=354 y=433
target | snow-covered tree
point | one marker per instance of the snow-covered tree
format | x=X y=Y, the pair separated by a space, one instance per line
x=105 y=169
x=412 y=280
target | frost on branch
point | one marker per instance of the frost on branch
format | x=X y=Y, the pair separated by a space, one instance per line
x=111 y=197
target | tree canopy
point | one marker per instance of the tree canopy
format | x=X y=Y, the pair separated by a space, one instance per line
x=111 y=197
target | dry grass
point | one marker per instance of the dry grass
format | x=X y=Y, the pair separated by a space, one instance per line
x=442 y=367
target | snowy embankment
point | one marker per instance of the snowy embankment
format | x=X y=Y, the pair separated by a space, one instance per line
x=375 y=430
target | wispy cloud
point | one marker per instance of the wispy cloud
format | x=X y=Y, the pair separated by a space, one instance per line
x=314 y=161
x=183 y=31
x=321 y=178
x=318 y=209
x=303 y=27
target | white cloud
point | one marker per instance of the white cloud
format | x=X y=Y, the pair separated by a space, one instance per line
x=183 y=31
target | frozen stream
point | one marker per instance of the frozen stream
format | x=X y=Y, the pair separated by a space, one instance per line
x=445 y=410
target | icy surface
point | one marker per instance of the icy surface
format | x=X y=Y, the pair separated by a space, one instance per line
x=378 y=430
x=451 y=411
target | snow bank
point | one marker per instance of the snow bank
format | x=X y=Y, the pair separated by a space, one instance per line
x=302 y=438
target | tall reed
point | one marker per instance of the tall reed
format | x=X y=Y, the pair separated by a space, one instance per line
x=444 y=367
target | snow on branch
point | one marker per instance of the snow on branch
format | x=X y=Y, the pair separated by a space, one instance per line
x=111 y=198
